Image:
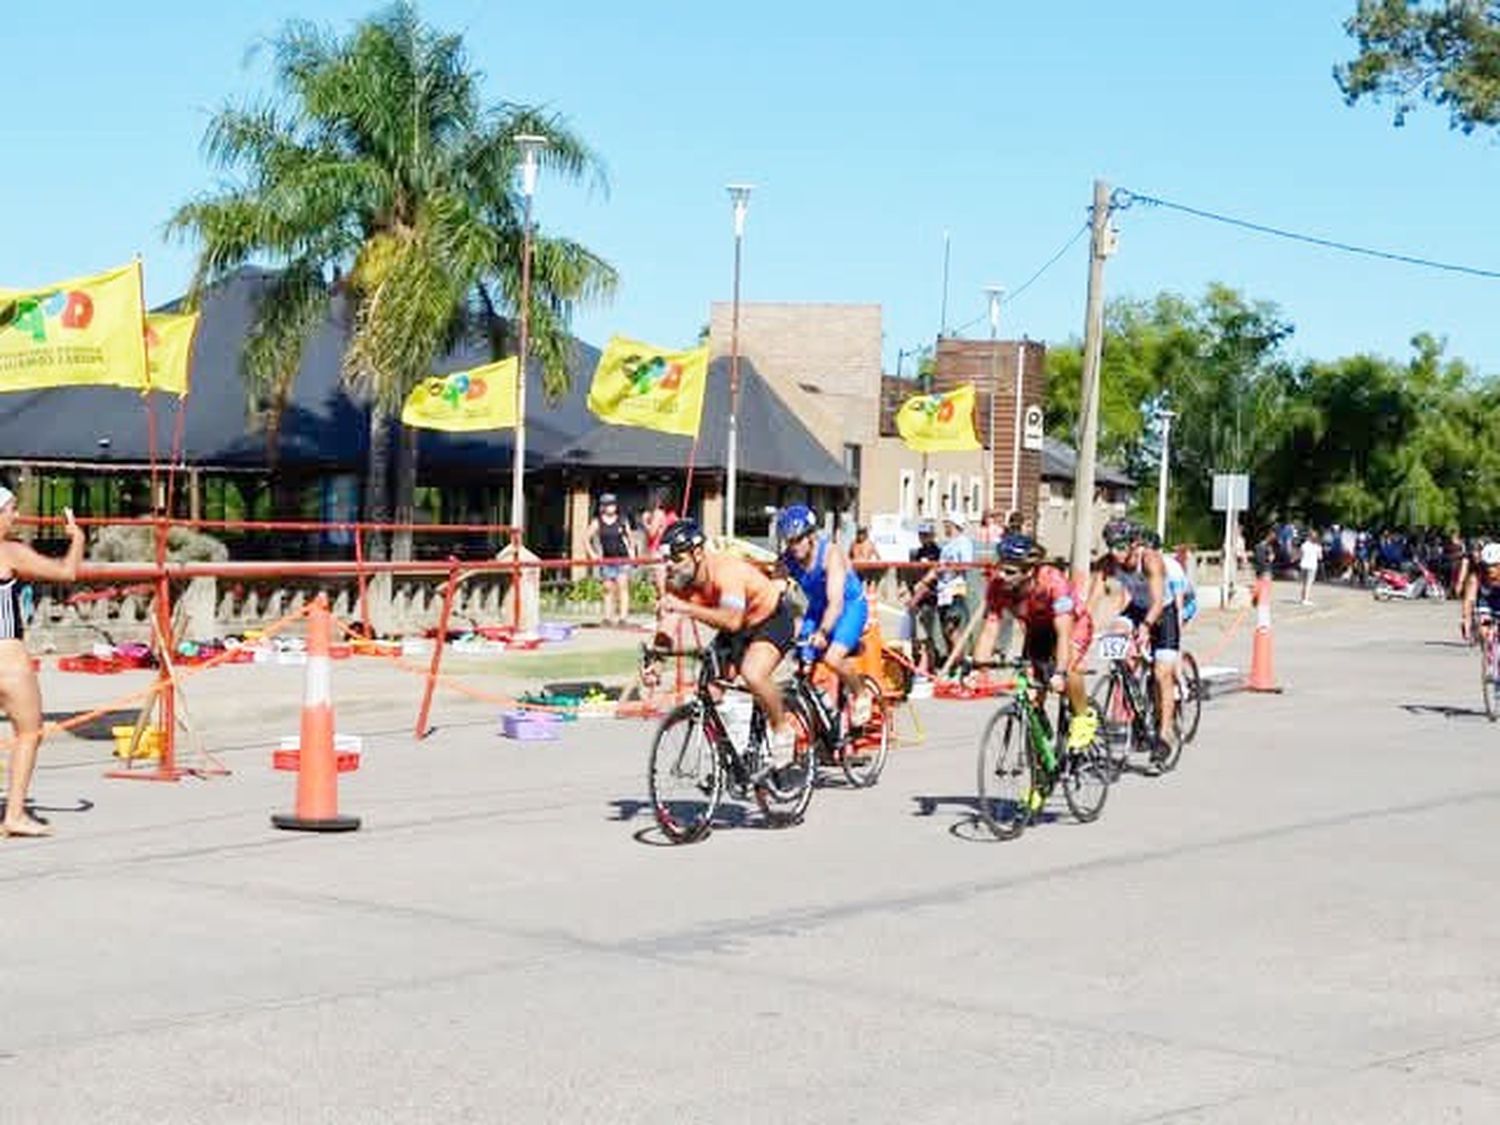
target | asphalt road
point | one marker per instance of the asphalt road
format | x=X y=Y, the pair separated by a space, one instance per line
x=1295 y=926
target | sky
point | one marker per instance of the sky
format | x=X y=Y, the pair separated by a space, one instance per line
x=869 y=130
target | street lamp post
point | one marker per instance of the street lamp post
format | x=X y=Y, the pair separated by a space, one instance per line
x=530 y=145
x=1165 y=417
x=739 y=196
x=996 y=295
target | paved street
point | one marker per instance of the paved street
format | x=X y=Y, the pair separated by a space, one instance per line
x=1295 y=926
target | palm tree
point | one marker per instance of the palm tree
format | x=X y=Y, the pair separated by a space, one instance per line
x=379 y=171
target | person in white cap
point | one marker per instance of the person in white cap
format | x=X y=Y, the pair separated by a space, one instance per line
x=20 y=694
x=953 y=585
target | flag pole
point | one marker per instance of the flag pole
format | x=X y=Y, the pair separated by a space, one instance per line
x=687 y=488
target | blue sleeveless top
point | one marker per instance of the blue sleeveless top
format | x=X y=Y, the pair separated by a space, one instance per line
x=814 y=580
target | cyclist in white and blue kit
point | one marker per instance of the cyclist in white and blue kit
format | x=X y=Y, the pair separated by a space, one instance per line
x=836 y=606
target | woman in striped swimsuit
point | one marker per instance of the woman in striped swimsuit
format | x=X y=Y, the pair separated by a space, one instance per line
x=20 y=695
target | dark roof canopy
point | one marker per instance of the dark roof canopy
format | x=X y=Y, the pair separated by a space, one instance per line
x=1060 y=462
x=326 y=428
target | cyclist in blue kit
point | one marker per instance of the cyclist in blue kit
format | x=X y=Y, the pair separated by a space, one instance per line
x=836 y=606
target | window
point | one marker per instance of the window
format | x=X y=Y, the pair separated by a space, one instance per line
x=930 y=488
x=907 y=504
x=852 y=461
x=976 y=496
x=951 y=502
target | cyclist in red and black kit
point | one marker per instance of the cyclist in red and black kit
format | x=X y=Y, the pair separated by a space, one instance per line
x=1140 y=575
x=1056 y=620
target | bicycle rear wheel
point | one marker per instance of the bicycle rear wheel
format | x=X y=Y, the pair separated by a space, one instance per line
x=686 y=777
x=787 y=788
x=867 y=747
x=1189 y=696
x=1084 y=774
x=1006 y=775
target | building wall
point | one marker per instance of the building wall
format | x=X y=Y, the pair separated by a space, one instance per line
x=1054 y=524
x=980 y=362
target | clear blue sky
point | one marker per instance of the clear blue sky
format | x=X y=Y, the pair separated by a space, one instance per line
x=869 y=128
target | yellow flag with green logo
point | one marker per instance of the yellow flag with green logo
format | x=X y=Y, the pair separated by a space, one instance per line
x=169 y=350
x=941 y=423
x=636 y=384
x=86 y=332
x=483 y=398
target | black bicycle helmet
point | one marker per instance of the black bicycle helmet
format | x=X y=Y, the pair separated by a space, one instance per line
x=681 y=538
x=1120 y=533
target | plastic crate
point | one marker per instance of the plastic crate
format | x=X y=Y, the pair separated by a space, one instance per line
x=529 y=726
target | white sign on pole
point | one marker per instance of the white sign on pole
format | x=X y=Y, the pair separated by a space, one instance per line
x=1034 y=424
x=1231 y=491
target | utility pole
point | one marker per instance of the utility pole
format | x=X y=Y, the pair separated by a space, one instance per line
x=1165 y=417
x=1101 y=246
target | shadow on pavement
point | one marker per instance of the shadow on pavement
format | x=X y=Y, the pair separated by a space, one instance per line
x=1446 y=710
x=97 y=728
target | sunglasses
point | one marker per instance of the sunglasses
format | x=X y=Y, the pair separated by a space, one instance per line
x=1011 y=573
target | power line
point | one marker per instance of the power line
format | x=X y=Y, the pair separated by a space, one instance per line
x=1025 y=285
x=1123 y=199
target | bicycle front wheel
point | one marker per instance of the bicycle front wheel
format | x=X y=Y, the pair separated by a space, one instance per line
x=1487 y=684
x=786 y=788
x=686 y=776
x=1189 y=696
x=866 y=747
x=1116 y=722
x=1006 y=775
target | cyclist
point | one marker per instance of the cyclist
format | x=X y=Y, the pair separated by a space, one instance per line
x=836 y=606
x=1180 y=589
x=747 y=608
x=1055 y=619
x=1142 y=600
x=1481 y=593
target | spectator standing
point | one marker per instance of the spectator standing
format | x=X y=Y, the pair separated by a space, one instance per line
x=1311 y=556
x=862 y=550
x=612 y=543
x=953 y=584
x=660 y=516
x=919 y=596
x=20 y=694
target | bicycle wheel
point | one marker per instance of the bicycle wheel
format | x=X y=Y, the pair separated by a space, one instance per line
x=1116 y=722
x=784 y=792
x=866 y=748
x=1189 y=696
x=686 y=777
x=1006 y=775
x=1487 y=684
x=1084 y=774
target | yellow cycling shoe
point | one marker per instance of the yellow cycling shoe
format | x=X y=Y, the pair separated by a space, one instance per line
x=1083 y=730
x=1035 y=799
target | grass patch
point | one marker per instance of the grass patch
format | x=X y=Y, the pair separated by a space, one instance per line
x=615 y=664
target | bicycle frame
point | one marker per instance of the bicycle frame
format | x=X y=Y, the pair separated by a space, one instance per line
x=1044 y=742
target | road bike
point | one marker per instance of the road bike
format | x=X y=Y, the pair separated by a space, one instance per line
x=1023 y=757
x=859 y=750
x=699 y=753
x=1125 y=699
x=1489 y=665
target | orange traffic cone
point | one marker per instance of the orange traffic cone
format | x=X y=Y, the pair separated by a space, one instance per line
x=1262 y=675
x=317 y=764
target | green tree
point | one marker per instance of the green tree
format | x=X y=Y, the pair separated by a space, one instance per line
x=1446 y=53
x=379 y=171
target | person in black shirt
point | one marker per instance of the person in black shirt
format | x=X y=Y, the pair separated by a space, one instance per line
x=920 y=596
x=613 y=543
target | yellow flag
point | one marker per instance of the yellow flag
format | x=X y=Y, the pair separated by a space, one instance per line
x=939 y=423
x=84 y=332
x=169 y=350
x=636 y=384
x=481 y=399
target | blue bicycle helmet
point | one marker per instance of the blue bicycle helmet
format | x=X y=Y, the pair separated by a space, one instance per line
x=794 y=522
x=1017 y=549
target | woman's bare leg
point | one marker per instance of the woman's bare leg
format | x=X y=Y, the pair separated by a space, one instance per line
x=23 y=702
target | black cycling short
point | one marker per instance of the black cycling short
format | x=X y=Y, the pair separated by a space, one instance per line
x=1166 y=634
x=779 y=629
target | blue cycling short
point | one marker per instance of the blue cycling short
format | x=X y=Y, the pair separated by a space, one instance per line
x=847 y=630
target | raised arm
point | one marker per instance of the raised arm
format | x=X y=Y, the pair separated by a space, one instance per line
x=27 y=563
